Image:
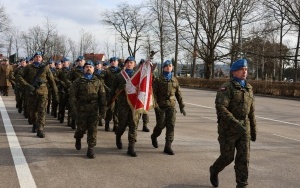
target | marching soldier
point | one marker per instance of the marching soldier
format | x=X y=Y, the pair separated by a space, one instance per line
x=166 y=91
x=75 y=73
x=63 y=88
x=124 y=111
x=109 y=77
x=87 y=96
x=34 y=78
x=236 y=124
x=5 y=71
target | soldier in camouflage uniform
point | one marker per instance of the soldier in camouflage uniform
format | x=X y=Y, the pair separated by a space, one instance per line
x=35 y=77
x=166 y=90
x=124 y=111
x=236 y=124
x=63 y=88
x=110 y=75
x=100 y=73
x=75 y=73
x=52 y=69
x=87 y=95
x=58 y=67
x=19 y=91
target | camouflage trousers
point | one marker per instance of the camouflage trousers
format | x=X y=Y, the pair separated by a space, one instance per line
x=229 y=142
x=37 y=105
x=126 y=119
x=165 y=117
x=111 y=114
x=87 y=121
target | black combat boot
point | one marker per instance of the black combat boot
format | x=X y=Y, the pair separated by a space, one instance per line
x=168 y=149
x=119 y=142
x=58 y=116
x=145 y=128
x=40 y=134
x=107 y=126
x=154 y=141
x=131 y=151
x=78 y=144
x=90 y=153
x=214 y=179
x=115 y=127
x=34 y=126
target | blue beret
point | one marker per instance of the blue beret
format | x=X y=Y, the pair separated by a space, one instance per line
x=37 y=53
x=113 y=59
x=31 y=59
x=97 y=63
x=105 y=64
x=166 y=63
x=89 y=62
x=64 y=59
x=79 y=58
x=130 y=58
x=238 y=64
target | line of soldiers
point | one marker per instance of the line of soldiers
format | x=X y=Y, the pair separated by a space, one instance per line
x=87 y=92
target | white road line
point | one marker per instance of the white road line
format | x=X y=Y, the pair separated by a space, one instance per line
x=286 y=137
x=24 y=174
x=200 y=105
x=278 y=121
x=255 y=116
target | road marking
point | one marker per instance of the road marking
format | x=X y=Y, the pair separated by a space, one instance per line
x=278 y=121
x=200 y=105
x=24 y=174
x=255 y=116
x=286 y=137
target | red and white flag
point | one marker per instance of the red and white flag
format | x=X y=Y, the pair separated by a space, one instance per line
x=139 y=88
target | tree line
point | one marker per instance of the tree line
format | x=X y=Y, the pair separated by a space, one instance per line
x=266 y=32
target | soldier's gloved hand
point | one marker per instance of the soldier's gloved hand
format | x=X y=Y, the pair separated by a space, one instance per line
x=241 y=129
x=253 y=137
x=182 y=111
x=30 y=88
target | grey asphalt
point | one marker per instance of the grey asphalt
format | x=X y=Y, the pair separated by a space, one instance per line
x=54 y=161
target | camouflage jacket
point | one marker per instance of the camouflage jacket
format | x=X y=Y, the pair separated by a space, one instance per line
x=87 y=95
x=110 y=76
x=235 y=104
x=27 y=75
x=118 y=89
x=167 y=92
x=63 y=83
x=74 y=74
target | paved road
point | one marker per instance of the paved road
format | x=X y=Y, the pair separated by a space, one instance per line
x=54 y=162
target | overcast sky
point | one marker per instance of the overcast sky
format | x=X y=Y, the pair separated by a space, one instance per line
x=70 y=16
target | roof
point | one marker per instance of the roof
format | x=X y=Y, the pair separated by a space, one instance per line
x=94 y=57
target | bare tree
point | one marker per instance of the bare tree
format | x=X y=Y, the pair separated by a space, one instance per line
x=4 y=19
x=86 y=42
x=129 y=22
x=174 y=9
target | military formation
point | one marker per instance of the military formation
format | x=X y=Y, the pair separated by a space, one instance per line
x=92 y=94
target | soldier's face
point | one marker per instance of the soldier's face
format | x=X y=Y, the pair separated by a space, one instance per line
x=99 y=66
x=81 y=63
x=241 y=73
x=114 y=63
x=66 y=63
x=38 y=58
x=88 y=69
x=130 y=64
x=168 y=68
x=23 y=63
